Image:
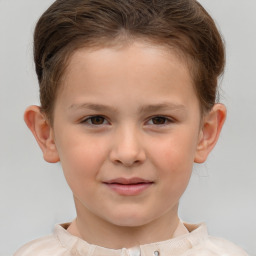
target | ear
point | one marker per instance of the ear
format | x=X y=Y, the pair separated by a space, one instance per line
x=43 y=133
x=210 y=131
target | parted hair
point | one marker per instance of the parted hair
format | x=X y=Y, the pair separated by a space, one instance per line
x=183 y=25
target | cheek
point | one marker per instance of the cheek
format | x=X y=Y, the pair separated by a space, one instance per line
x=174 y=158
x=174 y=175
x=81 y=160
x=175 y=153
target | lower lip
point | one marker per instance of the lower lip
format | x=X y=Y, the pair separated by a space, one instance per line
x=129 y=189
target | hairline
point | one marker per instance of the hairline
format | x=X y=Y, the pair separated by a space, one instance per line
x=122 y=41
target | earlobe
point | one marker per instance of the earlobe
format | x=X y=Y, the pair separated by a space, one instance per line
x=43 y=133
x=210 y=131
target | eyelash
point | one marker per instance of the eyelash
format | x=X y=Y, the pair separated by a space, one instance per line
x=166 y=120
x=89 y=121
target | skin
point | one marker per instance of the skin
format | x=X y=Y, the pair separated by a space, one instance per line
x=126 y=112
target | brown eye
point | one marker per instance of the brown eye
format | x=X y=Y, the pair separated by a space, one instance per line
x=158 y=120
x=95 y=120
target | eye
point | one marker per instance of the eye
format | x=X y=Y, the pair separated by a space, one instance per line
x=95 y=120
x=160 y=120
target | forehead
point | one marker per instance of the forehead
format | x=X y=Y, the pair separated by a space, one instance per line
x=132 y=71
x=130 y=53
x=125 y=41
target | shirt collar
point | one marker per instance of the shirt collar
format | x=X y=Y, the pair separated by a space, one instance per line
x=185 y=237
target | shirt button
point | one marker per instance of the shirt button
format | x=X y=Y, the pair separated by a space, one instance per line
x=156 y=253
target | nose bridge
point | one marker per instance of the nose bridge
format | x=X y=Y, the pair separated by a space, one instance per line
x=127 y=145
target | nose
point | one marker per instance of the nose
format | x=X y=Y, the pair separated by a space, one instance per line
x=127 y=147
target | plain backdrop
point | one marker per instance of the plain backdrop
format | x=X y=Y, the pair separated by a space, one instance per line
x=33 y=193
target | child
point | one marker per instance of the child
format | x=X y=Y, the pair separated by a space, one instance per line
x=128 y=104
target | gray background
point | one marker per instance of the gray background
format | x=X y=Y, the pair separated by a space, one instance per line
x=34 y=195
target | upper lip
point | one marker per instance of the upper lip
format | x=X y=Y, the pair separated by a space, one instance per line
x=129 y=181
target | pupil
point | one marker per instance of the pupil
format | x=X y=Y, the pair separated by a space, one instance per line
x=97 y=120
x=158 y=120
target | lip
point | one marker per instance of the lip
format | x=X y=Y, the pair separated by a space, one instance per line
x=129 y=187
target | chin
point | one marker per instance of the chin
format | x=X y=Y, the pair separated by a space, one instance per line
x=130 y=220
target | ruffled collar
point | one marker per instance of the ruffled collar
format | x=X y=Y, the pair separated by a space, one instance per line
x=185 y=237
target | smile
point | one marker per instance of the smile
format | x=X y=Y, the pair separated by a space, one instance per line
x=128 y=187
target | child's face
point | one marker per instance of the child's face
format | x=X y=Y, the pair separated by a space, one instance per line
x=127 y=128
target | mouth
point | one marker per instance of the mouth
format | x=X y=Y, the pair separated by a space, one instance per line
x=128 y=187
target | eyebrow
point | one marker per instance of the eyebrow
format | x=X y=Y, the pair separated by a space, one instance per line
x=161 y=107
x=92 y=106
x=142 y=109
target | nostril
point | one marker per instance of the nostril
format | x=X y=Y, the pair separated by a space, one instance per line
x=127 y=156
x=127 y=163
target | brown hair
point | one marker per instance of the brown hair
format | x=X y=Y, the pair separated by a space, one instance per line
x=182 y=24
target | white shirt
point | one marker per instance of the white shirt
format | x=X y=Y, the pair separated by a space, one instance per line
x=188 y=240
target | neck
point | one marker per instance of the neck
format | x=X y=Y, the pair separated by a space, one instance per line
x=97 y=231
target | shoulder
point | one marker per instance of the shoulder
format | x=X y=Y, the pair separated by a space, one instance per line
x=216 y=247
x=45 y=246
x=224 y=247
x=203 y=244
